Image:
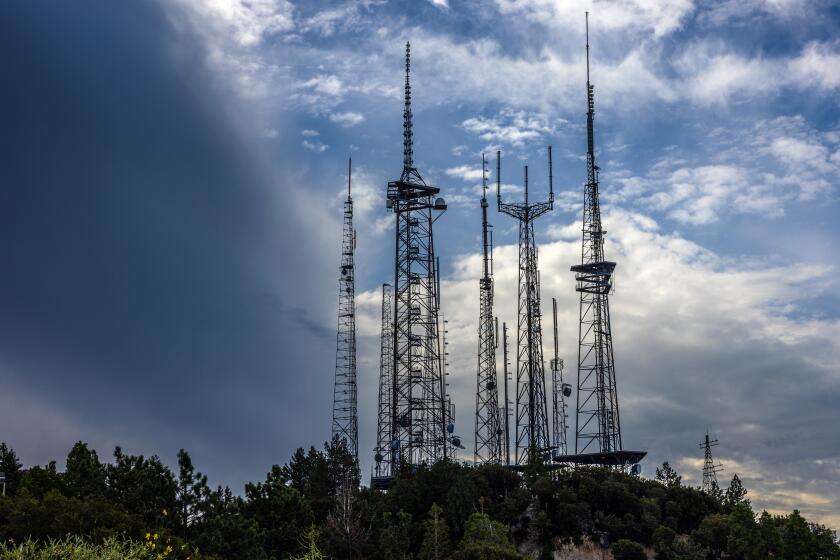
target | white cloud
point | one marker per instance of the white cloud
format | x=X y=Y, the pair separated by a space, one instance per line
x=310 y=133
x=465 y=173
x=315 y=146
x=347 y=119
x=759 y=171
x=246 y=21
x=440 y=3
x=270 y=133
x=510 y=127
x=660 y=17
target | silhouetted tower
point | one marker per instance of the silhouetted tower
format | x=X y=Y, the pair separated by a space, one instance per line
x=345 y=418
x=487 y=426
x=710 y=469
x=419 y=409
x=531 y=416
x=598 y=427
x=383 y=452
x=560 y=391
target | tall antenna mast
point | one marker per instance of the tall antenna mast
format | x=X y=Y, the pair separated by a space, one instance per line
x=345 y=416
x=419 y=409
x=531 y=414
x=598 y=426
x=487 y=424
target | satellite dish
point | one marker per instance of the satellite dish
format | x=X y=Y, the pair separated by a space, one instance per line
x=636 y=469
x=450 y=427
x=567 y=390
x=491 y=385
x=440 y=204
x=378 y=457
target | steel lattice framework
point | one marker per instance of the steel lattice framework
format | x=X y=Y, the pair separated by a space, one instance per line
x=598 y=428
x=383 y=453
x=559 y=390
x=488 y=431
x=345 y=417
x=710 y=469
x=419 y=408
x=531 y=415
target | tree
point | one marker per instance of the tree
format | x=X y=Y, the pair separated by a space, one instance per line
x=624 y=549
x=667 y=475
x=310 y=545
x=394 y=541
x=192 y=494
x=344 y=524
x=797 y=540
x=224 y=532
x=436 y=544
x=713 y=533
x=84 y=476
x=744 y=540
x=736 y=493
x=10 y=466
x=485 y=539
x=145 y=487
x=281 y=510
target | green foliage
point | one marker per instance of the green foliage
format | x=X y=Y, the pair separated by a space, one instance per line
x=736 y=493
x=84 y=476
x=145 y=487
x=74 y=548
x=394 y=541
x=624 y=549
x=667 y=475
x=485 y=539
x=10 y=466
x=436 y=542
x=281 y=510
x=313 y=508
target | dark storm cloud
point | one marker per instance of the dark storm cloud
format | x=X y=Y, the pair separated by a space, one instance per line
x=134 y=307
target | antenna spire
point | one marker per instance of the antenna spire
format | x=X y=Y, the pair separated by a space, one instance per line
x=408 y=149
x=349 y=174
x=587 y=48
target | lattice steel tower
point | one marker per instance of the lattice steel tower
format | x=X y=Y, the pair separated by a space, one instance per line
x=710 y=469
x=488 y=429
x=383 y=452
x=598 y=427
x=419 y=408
x=559 y=391
x=345 y=417
x=531 y=415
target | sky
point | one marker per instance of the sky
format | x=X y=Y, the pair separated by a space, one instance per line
x=173 y=173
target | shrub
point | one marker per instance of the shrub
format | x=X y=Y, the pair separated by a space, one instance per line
x=74 y=548
x=628 y=550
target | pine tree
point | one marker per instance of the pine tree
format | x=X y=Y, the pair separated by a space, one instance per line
x=667 y=475
x=10 y=467
x=436 y=544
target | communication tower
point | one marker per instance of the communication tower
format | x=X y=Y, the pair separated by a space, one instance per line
x=488 y=428
x=560 y=392
x=531 y=416
x=419 y=411
x=345 y=418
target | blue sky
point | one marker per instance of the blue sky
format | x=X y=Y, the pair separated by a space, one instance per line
x=173 y=177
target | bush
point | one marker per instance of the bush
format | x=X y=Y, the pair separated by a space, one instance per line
x=74 y=548
x=628 y=550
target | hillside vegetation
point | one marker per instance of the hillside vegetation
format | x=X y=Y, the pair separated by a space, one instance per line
x=313 y=507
